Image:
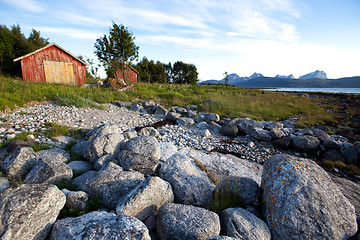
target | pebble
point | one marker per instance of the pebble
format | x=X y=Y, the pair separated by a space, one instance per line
x=32 y=119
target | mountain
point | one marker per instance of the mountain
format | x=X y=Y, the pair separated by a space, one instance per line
x=283 y=76
x=317 y=74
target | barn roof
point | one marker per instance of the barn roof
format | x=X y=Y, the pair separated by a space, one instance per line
x=40 y=49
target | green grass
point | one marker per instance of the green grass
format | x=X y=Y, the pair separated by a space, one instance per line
x=229 y=101
x=349 y=168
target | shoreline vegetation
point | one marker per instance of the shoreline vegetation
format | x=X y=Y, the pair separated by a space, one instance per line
x=224 y=100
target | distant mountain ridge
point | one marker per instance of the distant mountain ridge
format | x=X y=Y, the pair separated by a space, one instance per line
x=317 y=79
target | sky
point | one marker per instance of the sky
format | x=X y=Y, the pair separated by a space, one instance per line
x=235 y=36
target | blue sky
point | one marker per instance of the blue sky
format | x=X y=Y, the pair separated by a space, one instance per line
x=238 y=36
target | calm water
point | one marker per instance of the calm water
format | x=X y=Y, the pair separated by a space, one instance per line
x=326 y=90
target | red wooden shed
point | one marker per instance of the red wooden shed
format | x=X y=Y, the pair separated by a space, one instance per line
x=129 y=74
x=52 y=64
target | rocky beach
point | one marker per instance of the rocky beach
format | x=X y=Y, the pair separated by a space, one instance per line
x=177 y=173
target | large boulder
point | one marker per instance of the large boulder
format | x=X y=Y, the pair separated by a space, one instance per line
x=261 y=134
x=54 y=154
x=300 y=201
x=141 y=154
x=242 y=224
x=190 y=184
x=103 y=140
x=145 y=199
x=247 y=125
x=49 y=171
x=235 y=192
x=29 y=211
x=230 y=129
x=222 y=166
x=110 y=183
x=100 y=225
x=178 y=221
x=19 y=162
x=305 y=143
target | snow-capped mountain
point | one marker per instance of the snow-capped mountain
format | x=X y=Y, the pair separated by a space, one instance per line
x=317 y=74
x=286 y=77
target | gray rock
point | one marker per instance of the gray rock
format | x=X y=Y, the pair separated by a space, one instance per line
x=351 y=191
x=185 y=121
x=230 y=129
x=222 y=166
x=100 y=225
x=103 y=140
x=4 y=184
x=240 y=191
x=349 y=153
x=148 y=103
x=221 y=238
x=305 y=143
x=81 y=148
x=167 y=149
x=206 y=133
x=110 y=183
x=332 y=144
x=145 y=199
x=76 y=199
x=80 y=166
x=19 y=162
x=333 y=155
x=29 y=211
x=130 y=134
x=203 y=125
x=48 y=171
x=247 y=126
x=272 y=125
x=300 y=201
x=277 y=133
x=104 y=160
x=140 y=154
x=214 y=126
x=122 y=104
x=241 y=224
x=190 y=184
x=261 y=134
x=137 y=108
x=321 y=135
x=178 y=109
x=173 y=115
x=177 y=221
x=160 y=110
x=149 y=131
x=211 y=117
x=305 y=131
x=191 y=107
x=54 y=154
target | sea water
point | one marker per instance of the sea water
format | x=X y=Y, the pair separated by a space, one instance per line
x=324 y=90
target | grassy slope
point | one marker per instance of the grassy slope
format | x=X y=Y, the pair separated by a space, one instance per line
x=230 y=101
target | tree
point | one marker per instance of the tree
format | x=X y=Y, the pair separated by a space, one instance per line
x=226 y=78
x=117 y=49
x=149 y=71
x=184 y=73
x=35 y=41
x=14 y=44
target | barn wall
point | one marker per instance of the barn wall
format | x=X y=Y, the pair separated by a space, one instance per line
x=33 y=69
x=127 y=74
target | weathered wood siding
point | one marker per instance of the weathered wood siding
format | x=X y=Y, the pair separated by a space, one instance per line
x=128 y=74
x=33 y=70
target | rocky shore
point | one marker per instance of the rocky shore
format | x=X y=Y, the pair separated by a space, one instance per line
x=174 y=174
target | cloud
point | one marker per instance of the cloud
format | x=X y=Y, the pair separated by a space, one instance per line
x=27 y=5
x=70 y=32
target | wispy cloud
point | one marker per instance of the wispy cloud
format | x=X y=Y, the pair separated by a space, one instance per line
x=27 y=5
x=70 y=32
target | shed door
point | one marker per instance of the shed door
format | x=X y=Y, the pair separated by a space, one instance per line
x=59 y=72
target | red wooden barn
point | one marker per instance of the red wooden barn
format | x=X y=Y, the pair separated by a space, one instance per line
x=52 y=64
x=128 y=73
